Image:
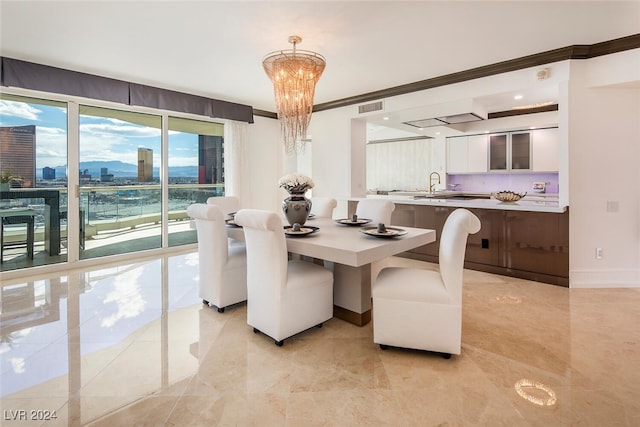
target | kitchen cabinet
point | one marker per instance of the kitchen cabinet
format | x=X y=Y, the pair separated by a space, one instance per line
x=524 y=244
x=486 y=246
x=537 y=242
x=510 y=151
x=498 y=152
x=434 y=219
x=483 y=247
x=546 y=150
x=536 y=150
x=467 y=154
x=520 y=155
x=477 y=150
x=457 y=156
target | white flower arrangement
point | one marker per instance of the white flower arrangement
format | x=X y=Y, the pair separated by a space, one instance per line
x=296 y=183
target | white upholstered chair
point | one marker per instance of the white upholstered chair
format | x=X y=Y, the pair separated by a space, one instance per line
x=222 y=262
x=422 y=309
x=377 y=210
x=285 y=297
x=323 y=207
x=227 y=204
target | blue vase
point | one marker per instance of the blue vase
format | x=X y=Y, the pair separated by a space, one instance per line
x=296 y=208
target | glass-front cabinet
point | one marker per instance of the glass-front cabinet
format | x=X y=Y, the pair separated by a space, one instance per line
x=498 y=152
x=520 y=151
x=510 y=151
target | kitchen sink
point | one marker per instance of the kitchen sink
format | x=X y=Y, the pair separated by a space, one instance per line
x=462 y=197
x=450 y=196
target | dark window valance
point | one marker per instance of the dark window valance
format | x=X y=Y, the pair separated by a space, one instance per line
x=29 y=75
x=164 y=99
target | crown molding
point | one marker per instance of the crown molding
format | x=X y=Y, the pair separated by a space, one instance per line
x=535 y=60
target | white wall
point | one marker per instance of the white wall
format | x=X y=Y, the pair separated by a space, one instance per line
x=604 y=154
x=331 y=151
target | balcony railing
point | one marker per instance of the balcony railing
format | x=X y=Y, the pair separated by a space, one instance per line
x=116 y=209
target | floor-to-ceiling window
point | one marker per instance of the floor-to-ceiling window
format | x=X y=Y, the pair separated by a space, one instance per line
x=120 y=189
x=134 y=182
x=196 y=171
x=33 y=162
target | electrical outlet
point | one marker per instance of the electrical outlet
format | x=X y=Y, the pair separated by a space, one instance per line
x=598 y=253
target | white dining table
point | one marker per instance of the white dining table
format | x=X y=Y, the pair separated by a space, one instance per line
x=350 y=253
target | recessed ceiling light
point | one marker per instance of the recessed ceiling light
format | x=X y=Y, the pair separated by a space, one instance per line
x=517 y=97
x=385 y=118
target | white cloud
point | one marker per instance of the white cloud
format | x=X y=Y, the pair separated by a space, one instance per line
x=19 y=109
x=110 y=139
x=183 y=161
x=51 y=146
x=121 y=129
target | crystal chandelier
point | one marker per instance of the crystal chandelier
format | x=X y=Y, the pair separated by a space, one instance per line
x=294 y=74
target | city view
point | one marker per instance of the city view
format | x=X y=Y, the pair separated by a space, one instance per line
x=118 y=173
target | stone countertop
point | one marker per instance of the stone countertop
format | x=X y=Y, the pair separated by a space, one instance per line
x=533 y=203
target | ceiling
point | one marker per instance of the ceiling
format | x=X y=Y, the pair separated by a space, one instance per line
x=215 y=48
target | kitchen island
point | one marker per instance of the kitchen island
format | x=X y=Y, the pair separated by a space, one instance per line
x=528 y=239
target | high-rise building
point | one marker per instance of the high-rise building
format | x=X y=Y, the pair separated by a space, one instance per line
x=145 y=164
x=18 y=152
x=210 y=159
x=48 y=173
x=105 y=176
x=85 y=176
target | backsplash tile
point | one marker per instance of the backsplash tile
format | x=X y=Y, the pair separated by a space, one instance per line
x=489 y=182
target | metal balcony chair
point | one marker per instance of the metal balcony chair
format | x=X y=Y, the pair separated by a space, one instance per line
x=18 y=216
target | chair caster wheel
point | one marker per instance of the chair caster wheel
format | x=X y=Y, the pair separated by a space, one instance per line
x=220 y=309
x=255 y=330
x=279 y=343
x=205 y=302
x=383 y=346
x=446 y=355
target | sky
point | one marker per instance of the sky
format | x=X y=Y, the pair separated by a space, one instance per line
x=101 y=139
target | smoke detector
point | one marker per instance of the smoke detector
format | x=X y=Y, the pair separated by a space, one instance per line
x=543 y=74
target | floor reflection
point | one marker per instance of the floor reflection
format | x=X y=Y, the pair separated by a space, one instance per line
x=131 y=344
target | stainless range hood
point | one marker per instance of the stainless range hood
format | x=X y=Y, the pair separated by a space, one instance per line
x=445 y=120
x=445 y=114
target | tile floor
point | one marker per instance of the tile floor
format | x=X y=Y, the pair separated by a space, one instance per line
x=131 y=344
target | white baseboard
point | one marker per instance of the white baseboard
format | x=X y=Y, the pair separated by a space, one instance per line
x=608 y=278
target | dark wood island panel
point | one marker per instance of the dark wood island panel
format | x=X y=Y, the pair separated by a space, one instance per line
x=524 y=244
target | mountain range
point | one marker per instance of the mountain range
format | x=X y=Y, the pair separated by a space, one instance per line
x=123 y=170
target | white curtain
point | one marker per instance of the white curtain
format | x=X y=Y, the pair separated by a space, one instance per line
x=236 y=161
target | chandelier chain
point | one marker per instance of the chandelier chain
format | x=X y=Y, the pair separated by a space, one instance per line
x=294 y=74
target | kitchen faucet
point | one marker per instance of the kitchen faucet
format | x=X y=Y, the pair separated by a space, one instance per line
x=431 y=184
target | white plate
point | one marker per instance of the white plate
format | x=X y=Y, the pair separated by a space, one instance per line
x=304 y=230
x=349 y=221
x=388 y=232
x=231 y=222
